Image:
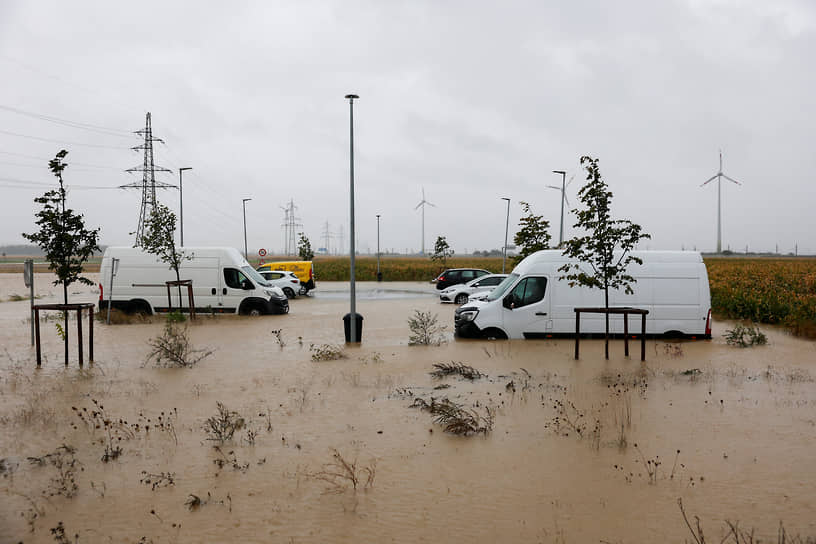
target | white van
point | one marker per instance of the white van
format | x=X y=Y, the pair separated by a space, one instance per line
x=223 y=282
x=534 y=303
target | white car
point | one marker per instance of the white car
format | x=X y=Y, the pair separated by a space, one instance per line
x=287 y=281
x=460 y=292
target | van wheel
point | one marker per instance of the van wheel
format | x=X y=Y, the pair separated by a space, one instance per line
x=494 y=334
x=461 y=298
x=252 y=309
x=289 y=292
x=140 y=307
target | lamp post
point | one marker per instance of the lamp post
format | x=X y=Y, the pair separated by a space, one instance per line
x=506 y=228
x=379 y=274
x=246 y=254
x=181 y=207
x=563 y=196
x=353 y=292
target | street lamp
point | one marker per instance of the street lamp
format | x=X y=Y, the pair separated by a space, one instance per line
x=353 y=292
x=563 y=197
x=181 y=208
x=246 y=254
x=506 y=228
x=379 y=274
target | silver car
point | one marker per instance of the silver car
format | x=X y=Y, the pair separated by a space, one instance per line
x=287 y=281
x=460 y=292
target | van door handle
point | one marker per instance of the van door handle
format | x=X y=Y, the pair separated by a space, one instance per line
x=541 y=313
x=213 y=291
x=224 y=291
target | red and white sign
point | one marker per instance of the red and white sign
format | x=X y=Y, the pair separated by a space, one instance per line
x=262 y=252
x=261 y=261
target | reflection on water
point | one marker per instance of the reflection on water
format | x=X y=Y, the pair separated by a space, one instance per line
x=581 y=451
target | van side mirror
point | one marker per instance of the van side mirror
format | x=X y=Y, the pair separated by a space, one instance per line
x=507 y=302
x=246 y=285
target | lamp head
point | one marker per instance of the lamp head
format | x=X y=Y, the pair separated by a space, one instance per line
x=559 y=172
x=352 y=96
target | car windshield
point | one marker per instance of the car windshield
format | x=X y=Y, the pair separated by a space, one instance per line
x=498 y=292
x=252 y=273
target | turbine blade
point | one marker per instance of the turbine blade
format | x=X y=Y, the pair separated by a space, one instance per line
x=420 y=204
x=554 y=187
x=709 y=180
x=731 y=179
x=429 y=204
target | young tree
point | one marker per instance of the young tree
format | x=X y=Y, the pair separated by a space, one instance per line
x=442 y=251
x=532 y=236
x=305 y=248
x=63 y=238
x=159 y=239
x=606 y=246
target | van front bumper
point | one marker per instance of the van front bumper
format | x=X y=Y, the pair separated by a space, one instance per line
x=278 y=306
x=465 y=328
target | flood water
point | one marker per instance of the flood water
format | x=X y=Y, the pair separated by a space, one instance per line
x=743 y=420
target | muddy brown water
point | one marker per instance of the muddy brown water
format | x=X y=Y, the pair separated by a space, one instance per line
x=744 y=421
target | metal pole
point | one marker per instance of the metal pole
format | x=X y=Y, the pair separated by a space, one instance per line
x=506 y=228
x=181 y=208
x=28 y=277
x=246 y=253
x=563 y=197
x=379 y=276
x=353 y=293
x=719 y=215
x=114 y=264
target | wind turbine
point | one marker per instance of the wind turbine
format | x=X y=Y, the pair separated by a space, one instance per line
x=564 y=199
x=422 y=205
x=718 y=176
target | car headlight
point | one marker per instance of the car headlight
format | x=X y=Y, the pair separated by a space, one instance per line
x=275 y=293
x=468 y=314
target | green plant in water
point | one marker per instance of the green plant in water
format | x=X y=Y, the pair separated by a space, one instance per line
x=176 y=317
x=425 y=329
x=745 y=337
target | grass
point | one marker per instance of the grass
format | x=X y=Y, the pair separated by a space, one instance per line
x=456 y=419
x=447 y=369
x=343 y=472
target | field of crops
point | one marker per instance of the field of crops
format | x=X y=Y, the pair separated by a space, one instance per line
x=766 y=290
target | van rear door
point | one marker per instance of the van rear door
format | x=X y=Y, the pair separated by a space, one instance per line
x=526 y=308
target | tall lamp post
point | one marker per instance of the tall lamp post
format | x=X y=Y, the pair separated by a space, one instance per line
x=379 y=274
x=353 y=292
x=506 y=228
x=246 y=254
x=181 y=207
x=563 y=197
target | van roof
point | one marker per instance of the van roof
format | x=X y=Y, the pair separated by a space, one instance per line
x=657 y=256
x=127 y=251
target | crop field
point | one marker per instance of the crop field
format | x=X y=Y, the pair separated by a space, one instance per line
x=766 y=290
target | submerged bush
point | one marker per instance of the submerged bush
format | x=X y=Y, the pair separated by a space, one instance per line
x=744 y=337
x=425 y=329
x=172 y=348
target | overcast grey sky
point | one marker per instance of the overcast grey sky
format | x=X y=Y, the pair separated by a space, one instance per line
x=473 y=101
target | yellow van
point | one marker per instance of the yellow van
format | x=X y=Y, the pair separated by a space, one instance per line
x=304 y=270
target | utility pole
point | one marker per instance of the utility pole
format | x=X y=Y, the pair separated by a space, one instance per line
x=353 y=293
x=246 y=253
x=181 y=207
x=149 y=183
x=379 y=274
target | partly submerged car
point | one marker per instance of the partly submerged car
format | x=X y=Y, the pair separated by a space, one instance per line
x=460 y=293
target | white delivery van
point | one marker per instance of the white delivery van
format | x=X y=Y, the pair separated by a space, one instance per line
x=534 y=303
x=223 y=282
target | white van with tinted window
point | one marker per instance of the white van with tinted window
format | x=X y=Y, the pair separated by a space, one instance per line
x=534 y=303
x=223 y=282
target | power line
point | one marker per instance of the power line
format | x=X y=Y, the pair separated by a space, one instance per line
x=72 y=124
x=45 y=161
x=58 y=141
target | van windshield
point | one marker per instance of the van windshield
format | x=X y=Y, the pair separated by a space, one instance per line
x=501 y=288
x=252 y=273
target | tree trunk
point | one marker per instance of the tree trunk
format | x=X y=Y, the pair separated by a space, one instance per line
x=606 y=315
x=65 y=319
